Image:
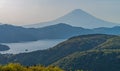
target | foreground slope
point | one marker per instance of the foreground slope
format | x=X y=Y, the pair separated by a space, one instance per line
x=113 y=43
x=106 y=60
x=105 y=57
x=19 y=67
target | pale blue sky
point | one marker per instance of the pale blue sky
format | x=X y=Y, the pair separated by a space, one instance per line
x=21 y=12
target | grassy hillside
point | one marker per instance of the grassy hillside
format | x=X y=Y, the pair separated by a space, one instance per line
x=105 y=60
x=113 y=43
x=104 y=57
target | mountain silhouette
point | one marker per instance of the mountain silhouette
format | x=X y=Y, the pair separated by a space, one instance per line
x=10 y=33
x=78 y=18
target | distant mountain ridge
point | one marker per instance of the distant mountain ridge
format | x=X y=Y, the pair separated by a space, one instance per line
x=78 y=18
x=10 y=33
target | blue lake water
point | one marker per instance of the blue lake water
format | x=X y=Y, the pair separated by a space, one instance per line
x=24 y=47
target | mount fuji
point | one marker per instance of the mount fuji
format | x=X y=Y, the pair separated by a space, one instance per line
x=77 y=18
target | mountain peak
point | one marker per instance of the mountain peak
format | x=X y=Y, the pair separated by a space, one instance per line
x=60 y=25
x=78 y=11
x=63 y=24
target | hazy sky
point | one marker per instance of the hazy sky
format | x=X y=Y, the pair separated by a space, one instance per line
x=21 y=12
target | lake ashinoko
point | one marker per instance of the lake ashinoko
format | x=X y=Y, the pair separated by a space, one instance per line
x=25 y=47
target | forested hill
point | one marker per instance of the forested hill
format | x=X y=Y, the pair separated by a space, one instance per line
x=103 y=57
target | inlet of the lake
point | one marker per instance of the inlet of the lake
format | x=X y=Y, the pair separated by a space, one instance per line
x=25 y=47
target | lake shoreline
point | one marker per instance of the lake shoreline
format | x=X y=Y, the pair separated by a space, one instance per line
x=4 y=47
x=26 y=47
